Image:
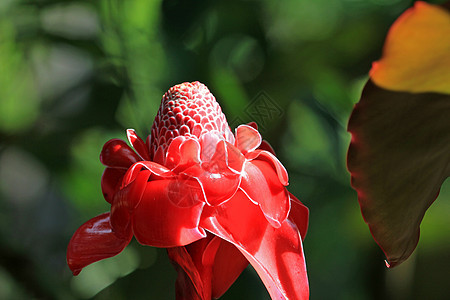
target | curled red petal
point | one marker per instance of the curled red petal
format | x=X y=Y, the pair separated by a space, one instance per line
x=161 y=222
x=262 y=185
x=110 y=183
x=228 y=265
x=276 y=164
x=129 y=197
x=206 y=268
x=138 y=144
x=189 y=155
x=117 y=154
x=235 y=159
x=253 y=124
x=218 y=162
x=280 y=263
x=221 y=157
x=185 y=191
x=203 y=253
x=275 y=253
x=94 y=241
x=174 y=157
x=156 y=169
x=218 y=262
x=120 y=214
x=247 y=138
x=189 y=283
x=218 y=172
x=208 y=144
x=131 y=194
x=265 y=145
x=190 y=152
x=124 y=202
x=299 y=215
x=217 y=187
x=239 y=217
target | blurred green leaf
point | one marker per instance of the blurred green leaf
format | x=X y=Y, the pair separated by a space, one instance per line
x=19 y=105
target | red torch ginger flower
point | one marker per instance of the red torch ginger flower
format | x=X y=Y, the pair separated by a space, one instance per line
x=216 y=200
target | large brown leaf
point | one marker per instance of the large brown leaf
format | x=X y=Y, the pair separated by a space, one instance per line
x=399 y=155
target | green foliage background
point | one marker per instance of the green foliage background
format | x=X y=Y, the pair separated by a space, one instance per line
x=74 y=74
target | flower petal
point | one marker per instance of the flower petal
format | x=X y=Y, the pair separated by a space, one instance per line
x=265 y=145
x=253 y=124
x=203 y=253
x=218 y=162
x=94 y=241
x=218 y=180
x=247 y=138
x=189 y=155
x=208 y=144
x=120 y=214
x=262 y=185
x=173 y=156
x=128 y=197
x=217 y=155
x=225 y=158
x=110 y=183
x=228 y=265
x=217 y=187
x=117 y=154
x=277 y=165
x=299 y=215
x=124 y=202
x=235 y=159
x=206 y=268
x=189 y=283
x=185 y=191
x=156 y=169
x=168 y=213
x=275 y=253
x=138 y=144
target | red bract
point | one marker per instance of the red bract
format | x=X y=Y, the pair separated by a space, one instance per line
x=216 y=200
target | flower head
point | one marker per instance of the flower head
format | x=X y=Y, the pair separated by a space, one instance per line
x=216 y=200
